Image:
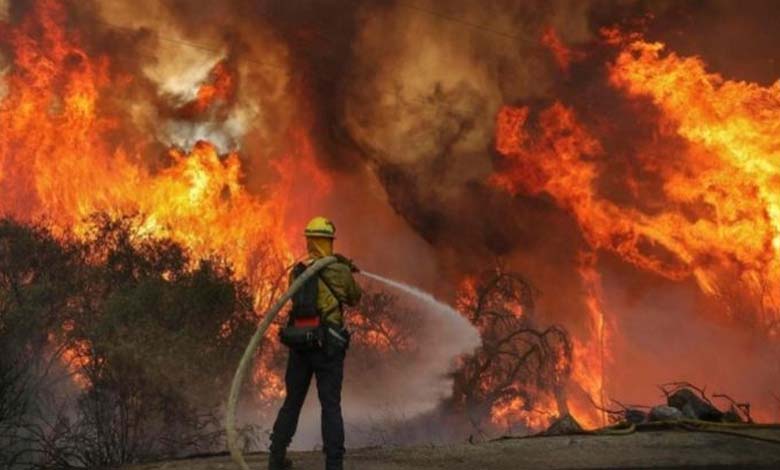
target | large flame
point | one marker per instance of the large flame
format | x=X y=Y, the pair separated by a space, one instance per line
x=730 y=167
x=726 y=174
x=65 y=156
x=718 y=221
x=61 y=160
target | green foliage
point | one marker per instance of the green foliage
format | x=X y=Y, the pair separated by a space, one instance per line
x=152 y=335
x=34 y=284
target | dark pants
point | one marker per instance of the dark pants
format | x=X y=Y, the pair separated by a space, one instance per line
x=329 y=370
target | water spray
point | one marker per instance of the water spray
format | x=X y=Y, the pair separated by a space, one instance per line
x=467 y=336
x=471 y=336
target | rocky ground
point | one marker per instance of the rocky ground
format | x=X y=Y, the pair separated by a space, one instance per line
x=667 y=449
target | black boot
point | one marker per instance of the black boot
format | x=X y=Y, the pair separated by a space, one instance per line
x=334 y=464
x=279 y=462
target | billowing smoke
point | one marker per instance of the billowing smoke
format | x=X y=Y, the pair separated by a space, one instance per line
x=407 y=93
x=398 y=104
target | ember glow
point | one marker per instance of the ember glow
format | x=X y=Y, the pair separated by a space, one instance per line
x=441 y=160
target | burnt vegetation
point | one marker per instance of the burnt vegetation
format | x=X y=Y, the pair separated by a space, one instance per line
x=518 y=359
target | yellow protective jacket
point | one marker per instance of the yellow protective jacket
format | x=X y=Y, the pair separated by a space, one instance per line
x=336 y=286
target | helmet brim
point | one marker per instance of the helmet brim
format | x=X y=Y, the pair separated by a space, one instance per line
x=317 y=234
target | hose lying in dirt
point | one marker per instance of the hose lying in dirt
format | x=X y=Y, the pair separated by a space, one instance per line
x=246 y=359
x=730 y=429
x=692 y=425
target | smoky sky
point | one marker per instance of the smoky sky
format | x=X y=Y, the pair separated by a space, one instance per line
x=409 y=90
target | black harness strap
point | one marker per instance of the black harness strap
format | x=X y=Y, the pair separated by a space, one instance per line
x=304 y=302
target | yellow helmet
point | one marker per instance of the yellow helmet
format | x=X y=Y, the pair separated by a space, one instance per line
x=320 y=227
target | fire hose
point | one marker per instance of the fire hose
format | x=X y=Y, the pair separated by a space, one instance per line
x=246 y=359
x=694 y=425
x=625 y=428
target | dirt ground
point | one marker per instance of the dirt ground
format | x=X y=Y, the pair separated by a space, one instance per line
x=645 y=450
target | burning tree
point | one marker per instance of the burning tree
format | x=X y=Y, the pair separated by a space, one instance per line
x=519 y=374
x=517 y=379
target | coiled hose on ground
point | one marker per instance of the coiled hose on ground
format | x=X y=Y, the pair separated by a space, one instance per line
x=246 y=359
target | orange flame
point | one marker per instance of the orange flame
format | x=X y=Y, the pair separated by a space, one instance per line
x=515 y=410
x=729 y=128
x=720 y=220
x=58 y=161
x=61 y=160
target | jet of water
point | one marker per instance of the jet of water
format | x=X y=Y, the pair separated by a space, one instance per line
x=468 y=337
x=443 y=335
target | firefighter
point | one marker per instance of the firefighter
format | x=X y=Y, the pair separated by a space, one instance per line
x=317 y=342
